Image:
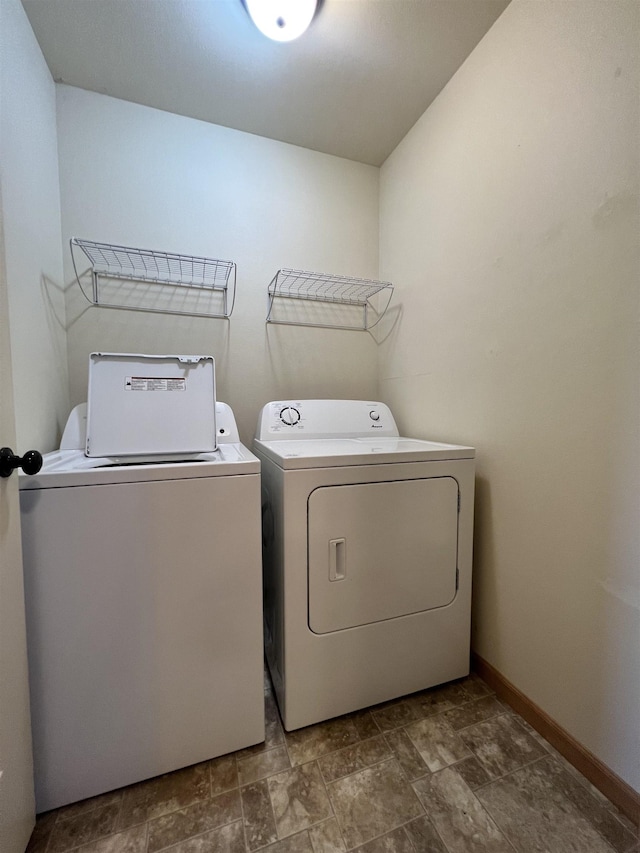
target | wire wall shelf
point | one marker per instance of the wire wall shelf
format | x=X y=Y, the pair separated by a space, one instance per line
x=341 y=302
x=149 y=280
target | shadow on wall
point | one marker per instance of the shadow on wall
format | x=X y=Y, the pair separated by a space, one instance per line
x=389 y=324
x=53 y=300
x=310 y=362
x=72 y=302
x=485 y=590
x=106 y=328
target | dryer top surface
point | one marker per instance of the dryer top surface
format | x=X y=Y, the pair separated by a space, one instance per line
x=330 y=433
x=333 y=452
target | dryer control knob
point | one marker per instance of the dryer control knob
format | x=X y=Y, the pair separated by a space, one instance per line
x=375 y=416
x=289 y=416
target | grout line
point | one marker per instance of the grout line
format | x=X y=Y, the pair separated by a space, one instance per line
x=509 y=772
x=191 y=837
x=393 y=829
x=322 y=823
x=493 y=820
x=482 y=808
x=46 y=846
x=244 y=824
x=273 y=811
x=333 y=811
x=391 y=757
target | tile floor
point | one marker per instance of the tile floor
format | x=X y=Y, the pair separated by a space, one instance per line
x=448 y=770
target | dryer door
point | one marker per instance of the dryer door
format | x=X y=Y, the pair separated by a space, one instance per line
x=381 y=550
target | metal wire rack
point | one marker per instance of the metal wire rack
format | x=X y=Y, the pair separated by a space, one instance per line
x=149 y=280
x=367 y=299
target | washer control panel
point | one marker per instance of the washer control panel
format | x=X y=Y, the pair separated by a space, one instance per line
x=324 y=419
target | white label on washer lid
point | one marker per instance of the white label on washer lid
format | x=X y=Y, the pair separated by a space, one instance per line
x=154 y=383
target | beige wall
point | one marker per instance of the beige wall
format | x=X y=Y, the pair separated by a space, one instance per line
x=509 y=224
x=141 y=177
x=33 y=251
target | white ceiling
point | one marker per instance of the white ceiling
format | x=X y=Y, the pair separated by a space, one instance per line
x=353 y=85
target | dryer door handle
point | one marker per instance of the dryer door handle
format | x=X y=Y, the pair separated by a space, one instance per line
x=337 y=559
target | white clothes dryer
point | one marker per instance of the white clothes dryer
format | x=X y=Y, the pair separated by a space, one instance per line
x=367 y=553
x=143 y=591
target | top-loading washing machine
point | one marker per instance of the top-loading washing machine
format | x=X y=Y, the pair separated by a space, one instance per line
x=367 y=552
x=143 y=582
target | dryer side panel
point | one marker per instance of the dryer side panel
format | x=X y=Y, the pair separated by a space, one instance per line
x=379 y=551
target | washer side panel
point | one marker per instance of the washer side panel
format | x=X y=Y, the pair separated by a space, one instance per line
x=144 y=629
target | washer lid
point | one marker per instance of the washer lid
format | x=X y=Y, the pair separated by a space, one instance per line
x=330 y=453
x=150 y=404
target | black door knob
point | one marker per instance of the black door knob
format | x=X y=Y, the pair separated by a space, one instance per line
x=30 y=463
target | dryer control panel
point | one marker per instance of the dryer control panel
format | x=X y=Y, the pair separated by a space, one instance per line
x=315 y=419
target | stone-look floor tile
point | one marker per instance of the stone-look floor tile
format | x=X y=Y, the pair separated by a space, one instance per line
x=525 y=725
x=461 y=822
x=326 y=837
x=133 y=840
x=259 y=823
x=224 y=774
x=84 y=806
x=394 y=716
x=476 y=711
x=475 y=687
x=262 y=764
x=273 y=731
x=164 y=794
x=501 y=745
x=310 y=743
x=194 y=820
x=42 y=832
x=408 y=756
x=629 y=825
x=83 y=828
x=582 y=780
x=352 y=758
x=364 y=723
x=472 y=772
x=437 y=743
x=227 y=839
x=272 y=721
x=438 y=699
x=422 y=834
x=517 y=802
x=294 y=844
x=591 y=808
x=299 y=799
x=395 y=841
x=372 y=802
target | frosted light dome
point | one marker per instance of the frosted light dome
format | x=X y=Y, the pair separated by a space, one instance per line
x=281 y=20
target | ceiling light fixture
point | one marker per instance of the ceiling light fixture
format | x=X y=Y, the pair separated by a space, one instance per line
x=281 y=20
